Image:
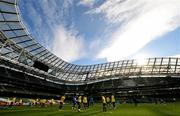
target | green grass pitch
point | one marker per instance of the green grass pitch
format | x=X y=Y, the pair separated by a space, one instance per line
x=168 y=109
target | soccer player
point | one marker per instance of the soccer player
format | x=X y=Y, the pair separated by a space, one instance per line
x=135 y=101
x=20 y=102
x=32 y=102
x=113 y=101
x=42 y=102
x=14 y=101
x=61 y=102
x=85 y=102
x=51 y=102
x=91 y=101
x=104 y=103
x=79 y=103
x=74 y=102
x=108 y=100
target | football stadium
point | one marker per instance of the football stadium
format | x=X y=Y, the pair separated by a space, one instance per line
x=34 y=81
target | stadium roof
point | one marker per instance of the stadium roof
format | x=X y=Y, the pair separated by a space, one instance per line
x=20 y=44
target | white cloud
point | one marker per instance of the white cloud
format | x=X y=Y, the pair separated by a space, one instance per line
x=67 y=45
x=88 y=3
x=141 y=22
x=56 y=12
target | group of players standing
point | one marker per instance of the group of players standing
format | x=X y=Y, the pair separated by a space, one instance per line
x=78 y=100
x=107 y=102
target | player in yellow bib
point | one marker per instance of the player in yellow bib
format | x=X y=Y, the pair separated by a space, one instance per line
x=20 y=102
x=108 y=100
x=79 y=103
x=113 y=101
x=104 y=103
x=85 y=102
x=61 y=102
x=42 y=102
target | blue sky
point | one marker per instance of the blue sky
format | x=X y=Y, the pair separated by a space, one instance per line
x=97 y=31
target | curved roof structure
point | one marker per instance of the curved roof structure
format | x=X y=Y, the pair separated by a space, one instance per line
x=17 y=44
